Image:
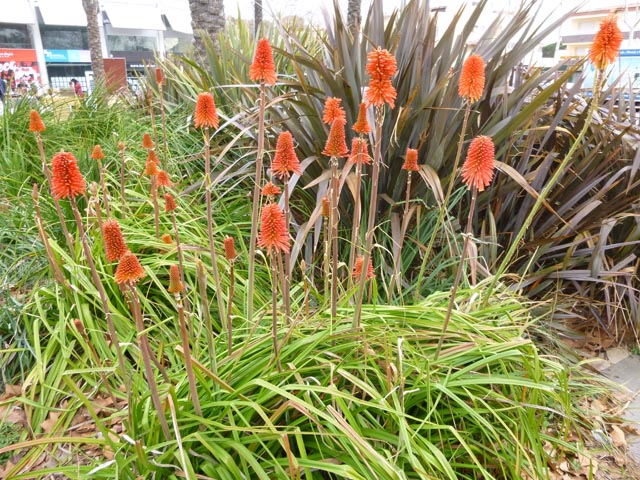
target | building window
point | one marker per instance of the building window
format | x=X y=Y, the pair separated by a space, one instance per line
x=131 y=43
x=177 y=45
x=64 y=38
x=14 y=36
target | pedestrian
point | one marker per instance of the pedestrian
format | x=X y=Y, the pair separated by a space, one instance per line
x=77 y=88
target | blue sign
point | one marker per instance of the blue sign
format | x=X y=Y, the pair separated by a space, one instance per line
x=67 y=56
x=630 y=52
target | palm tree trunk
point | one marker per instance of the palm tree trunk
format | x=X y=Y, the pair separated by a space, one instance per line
x=95 y=46
x=353 y=15
x=257 y=15
x=207 y=19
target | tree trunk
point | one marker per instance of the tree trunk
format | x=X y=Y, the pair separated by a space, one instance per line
x=353 y=16
x=95 y=46
x=207 y=19
x=257 y=15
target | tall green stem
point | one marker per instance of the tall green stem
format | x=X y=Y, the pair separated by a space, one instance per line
x=286 y=294
x=256 y=204
x=333 y=220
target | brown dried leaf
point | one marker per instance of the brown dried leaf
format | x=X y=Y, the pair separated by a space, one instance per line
x=618 y=437
x=49 y=424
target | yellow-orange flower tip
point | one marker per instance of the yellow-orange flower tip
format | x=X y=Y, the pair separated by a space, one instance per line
x=163 y=179
x=471 y=84
x=379 y=92
x=35 y=122
x=120 y=145
x=285 y=161
x=169 y=203
x=478 y=167
x=411 y=160
x=175 y=284
x=159 y=76
x=270 y=190
x=357 y=268
x=326 y=207
x=606 y=43
x=359 y=153
x=273 y=230
x=166 y=238
x=129 y=270
x=66 y=179
x=336 y=145
x=206 y=114
x=114 y=244
x=263 y=69
x=333 y=110
x=97 y=153
x=381 y=64
x=229 y=248
x=362 y=125
x=146 y=141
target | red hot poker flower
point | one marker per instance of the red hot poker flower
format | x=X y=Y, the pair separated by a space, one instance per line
x=129 y=270
x=151 y=165
x=357 y=268
x=229 y=248
x=114 y=244
x=359 y=152
x=169 y=203
x=175 y=284
x=206 y=114
x=362 y=125
x=336 y=145
x=159 y=76
x=326 y=207
x=66 y=178
x=166 y=238
x=411 y=160
x=97 y=153
x=477 y=170
x=263 y=69
x=121 y=145
x=163 y=179
x=270 y=189
x=333 y=110
x=471 y=83
x=606 y=43
x=273 y=230
x=146 y=141
x=285 y=160
x=35 y=122
x=379 y=92
x=381 y=64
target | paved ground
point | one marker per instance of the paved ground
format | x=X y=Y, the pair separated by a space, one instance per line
x=624 y=368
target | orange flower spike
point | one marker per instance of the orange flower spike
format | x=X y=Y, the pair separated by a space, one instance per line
x=146 y=141
x=129 y=270
x=169 y=203
x=270 y=189
x=362 y=125
x=326 y=207
x=151 y=165
x=336 y=145
x=35 y=122
x=121 y=145
x=478 y=167
x=206 y=114
x=285 y=160
x=606 y=43
x=229 y=248
x=333 y=110
x=66 y=178
x=97 y=153
x=163 y=179
x=263 y=69
x=381 y=91
x=359 y=152
x=166 y=238
x=114 y=244
x=175 y=285
x=471 y=84
x=273 y=230
x=357 y=268
x=411 y=160
x=381 y=64
x=159 y=76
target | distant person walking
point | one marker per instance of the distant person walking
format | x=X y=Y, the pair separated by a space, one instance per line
x=77 y=88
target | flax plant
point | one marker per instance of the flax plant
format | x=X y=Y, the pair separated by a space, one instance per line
x=53 y=264
x=122 y=178
x=262 y=70
x=230 y=254
x=359 y=155
x=160 y=83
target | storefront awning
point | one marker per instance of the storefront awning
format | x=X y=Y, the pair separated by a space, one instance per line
x=179 y=19
x=18 y=12
x=136 y=16
x=72 y=14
